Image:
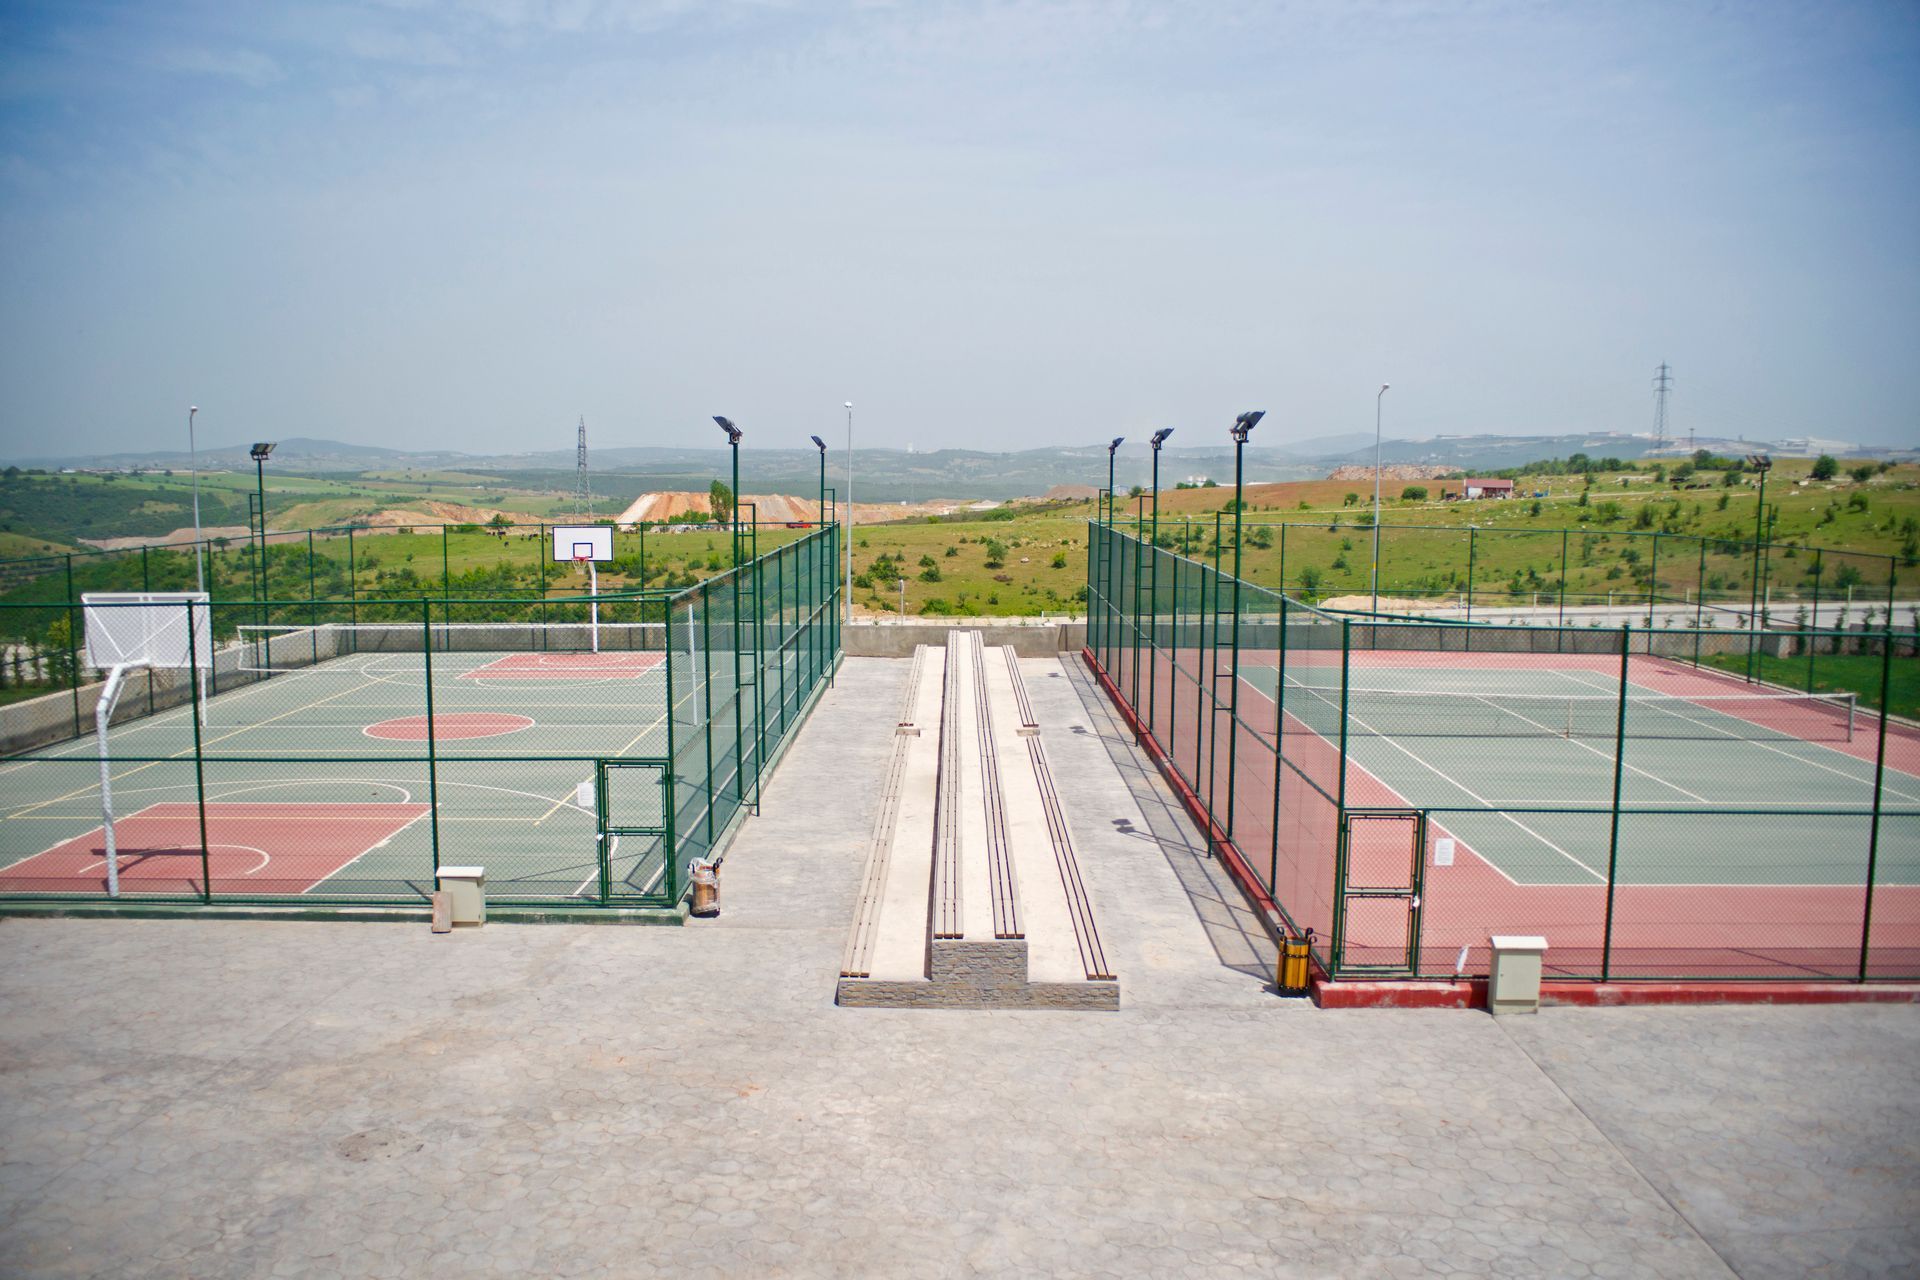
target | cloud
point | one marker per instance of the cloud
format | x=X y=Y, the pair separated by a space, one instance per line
x=254 y=69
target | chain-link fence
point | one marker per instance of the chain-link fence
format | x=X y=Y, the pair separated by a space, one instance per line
x=340 y=748
x=1667 y=802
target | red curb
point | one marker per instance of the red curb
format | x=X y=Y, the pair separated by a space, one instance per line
x=1472 y=994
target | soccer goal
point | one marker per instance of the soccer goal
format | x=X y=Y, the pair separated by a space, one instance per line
x=128 y=630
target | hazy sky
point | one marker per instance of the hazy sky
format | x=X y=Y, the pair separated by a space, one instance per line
x=990 y=225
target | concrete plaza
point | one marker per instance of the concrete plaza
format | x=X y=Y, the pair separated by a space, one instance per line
x=238 y=1098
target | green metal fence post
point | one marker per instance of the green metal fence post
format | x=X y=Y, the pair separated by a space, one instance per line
x=1471 y=531
x=1813 y=623
x=1283 y=559
x=1653 y=576
x=433 y=764
x=353 y=582
x=199 y=755
x=1613 y=836
x=1560 y=618
x=445 y=569
x=1879 y=792
x=706 y=720
x=1338 y=946
x=1279 y=748
x=74 y=640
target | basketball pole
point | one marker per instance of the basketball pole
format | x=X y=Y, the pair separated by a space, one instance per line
x=593 y=593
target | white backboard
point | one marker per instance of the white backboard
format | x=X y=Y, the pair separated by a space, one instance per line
x=594 y=541
x=147 y=628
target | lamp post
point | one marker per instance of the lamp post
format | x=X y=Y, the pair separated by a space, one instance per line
x=733 y=440
x=849 y=513
x=1242 y=427
x=259 y=455
x=1762 y=463
x=1376 y=494
x=199 y=546
x=1111 y=450
x=821 y=445
x=1159 y=438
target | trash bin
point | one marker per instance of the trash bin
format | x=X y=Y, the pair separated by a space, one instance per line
x=706 y=888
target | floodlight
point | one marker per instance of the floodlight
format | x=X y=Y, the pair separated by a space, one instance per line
x=261 y=450
x=1759 y=461
x=726 y=425
x=818 y=442
x=1246 y=422
x=849 y=404
x=1159 y=438
x=1117 y=441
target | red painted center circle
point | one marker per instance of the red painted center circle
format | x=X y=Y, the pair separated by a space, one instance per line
x=453 y=724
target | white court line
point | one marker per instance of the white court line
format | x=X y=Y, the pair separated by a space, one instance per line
x=613 y=847
x=1485 y=861
x=381 y=843
x=1766 y=746
x=1446 y=777
x=1586 y=746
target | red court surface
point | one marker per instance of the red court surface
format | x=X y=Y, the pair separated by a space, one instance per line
x=251 y=848
x=625 y=665
x=449 y=725
x=1778 y=931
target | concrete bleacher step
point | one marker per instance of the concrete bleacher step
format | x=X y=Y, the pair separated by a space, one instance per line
x=972 y=897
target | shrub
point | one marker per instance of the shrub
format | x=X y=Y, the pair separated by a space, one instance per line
x=931 y=573
x=1059 y=560
x=1856 y=502
x=1825 y=467
x=1349 y=499
x=1414 y=493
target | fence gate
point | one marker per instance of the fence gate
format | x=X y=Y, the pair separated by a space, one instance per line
x=1382 y=857
x=632 y=804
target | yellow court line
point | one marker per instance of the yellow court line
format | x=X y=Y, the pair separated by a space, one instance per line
x=204 y=744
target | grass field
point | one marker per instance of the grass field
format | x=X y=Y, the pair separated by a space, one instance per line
x=1837 y=673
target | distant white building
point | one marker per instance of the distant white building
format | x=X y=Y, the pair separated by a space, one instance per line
x=1812 y=447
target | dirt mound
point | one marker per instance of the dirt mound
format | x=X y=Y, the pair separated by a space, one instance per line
x=780 y=508
x=1070 y=493
x=1397 y=471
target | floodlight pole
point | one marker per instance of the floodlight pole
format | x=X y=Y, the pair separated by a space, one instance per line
x=1376 y=495
x=1242 y=427
x=193 y=463
x=260 y=493
x=1111 y=450
x=733 y=441
x=1762 y=463
x=849 y=519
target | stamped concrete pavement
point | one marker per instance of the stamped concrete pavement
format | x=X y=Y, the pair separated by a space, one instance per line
x=276 y=1099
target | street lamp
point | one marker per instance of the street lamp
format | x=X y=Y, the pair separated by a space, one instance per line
x=193 y=462
x=1376 y=495
x=1762 y=463
x=1111 y=450
x=1159 y=438
x=259 y=454
x=849 y=515
x=821 y=445
x=733 y=439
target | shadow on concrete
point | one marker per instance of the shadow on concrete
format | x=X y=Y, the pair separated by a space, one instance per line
x=1233 y=927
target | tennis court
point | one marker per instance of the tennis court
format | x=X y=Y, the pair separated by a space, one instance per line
x=1431 y=784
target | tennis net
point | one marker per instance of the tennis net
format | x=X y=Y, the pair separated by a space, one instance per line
x=1404 y=713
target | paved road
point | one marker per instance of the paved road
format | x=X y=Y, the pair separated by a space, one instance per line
x=268 y=1099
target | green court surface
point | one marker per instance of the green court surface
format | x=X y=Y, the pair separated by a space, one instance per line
x=318 y=782
x=1514 y=757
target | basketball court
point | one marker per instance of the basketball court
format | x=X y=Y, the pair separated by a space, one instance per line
x=545 y=745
